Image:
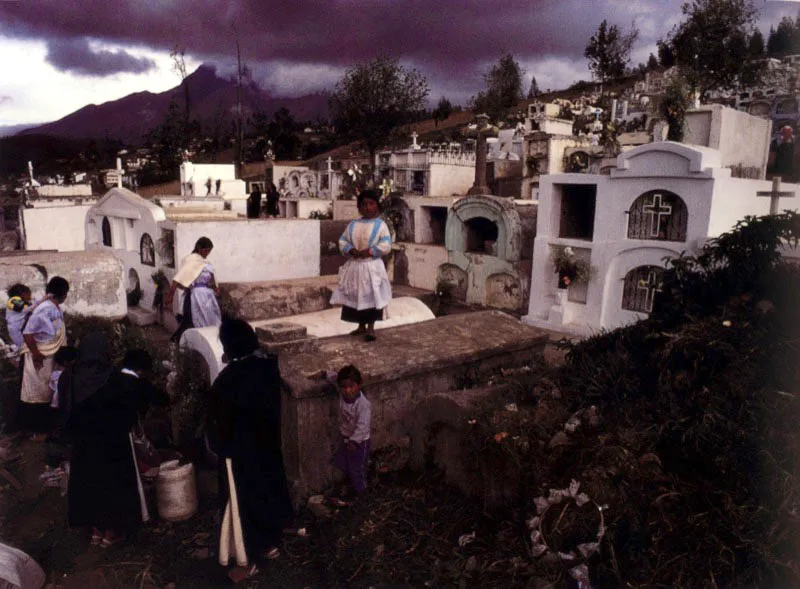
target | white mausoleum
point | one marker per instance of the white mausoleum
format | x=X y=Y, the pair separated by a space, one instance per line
x=661 y=199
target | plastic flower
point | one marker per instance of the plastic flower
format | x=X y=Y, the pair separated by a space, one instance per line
x=726 y=323
x=500 y=437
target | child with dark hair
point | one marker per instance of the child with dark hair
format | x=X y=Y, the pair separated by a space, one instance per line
x=18 y=307
x=355 y=423
x=364 y=289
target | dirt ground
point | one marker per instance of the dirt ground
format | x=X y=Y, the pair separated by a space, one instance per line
x=404 y=534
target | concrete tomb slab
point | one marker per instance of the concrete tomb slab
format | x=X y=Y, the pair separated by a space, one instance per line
x=97 y=282
x=407 y=365
x=318 y=324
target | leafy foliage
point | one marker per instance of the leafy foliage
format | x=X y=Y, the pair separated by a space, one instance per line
x=609 y=51
x=503 y=88
x=673 y=106
x=785 y=40
x=444 y=108
x=374 y=98
x=711 y=43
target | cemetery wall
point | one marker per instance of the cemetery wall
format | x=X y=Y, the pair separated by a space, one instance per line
x=735 y=198
x=97 y=283
x=743 y=140
x=254 y=250
x=423 y=264
x=449 y=180
x=56 y=228
x=345 y=210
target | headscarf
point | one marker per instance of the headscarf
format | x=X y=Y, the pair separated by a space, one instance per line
x=93 y=368
x=238 y=338
x=202 y=243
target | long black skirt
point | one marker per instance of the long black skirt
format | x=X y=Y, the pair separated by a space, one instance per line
x=103 y=488
x=351 y=315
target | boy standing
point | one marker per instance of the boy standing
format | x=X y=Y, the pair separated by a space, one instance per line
x=355 y=421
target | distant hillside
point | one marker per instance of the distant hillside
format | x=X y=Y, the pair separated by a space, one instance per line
x=8 y=130
x=130 y=118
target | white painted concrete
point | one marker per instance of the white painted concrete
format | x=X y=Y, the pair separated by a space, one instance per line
x=251 y=250
x=714 y=203
x=402 y=311
x=58 y=228
x=423 y=264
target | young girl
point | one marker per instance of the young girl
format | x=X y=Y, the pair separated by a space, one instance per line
x=364 y=290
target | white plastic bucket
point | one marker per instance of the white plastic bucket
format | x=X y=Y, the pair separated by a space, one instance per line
x=176 y=492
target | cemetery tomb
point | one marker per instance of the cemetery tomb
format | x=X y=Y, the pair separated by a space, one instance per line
x=661 y=199
x=488 y=243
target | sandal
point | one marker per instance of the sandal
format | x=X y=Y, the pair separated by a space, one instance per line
x=113 y=541
x=272 y=553
x=96 y=538
x=238 y=574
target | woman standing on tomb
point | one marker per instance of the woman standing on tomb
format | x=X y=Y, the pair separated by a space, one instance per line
x=196 y=278
x=364 y=289
x=245 y=422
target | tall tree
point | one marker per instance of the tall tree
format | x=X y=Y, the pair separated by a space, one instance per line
x=533 y=91
x=665 y=55
x=503 y=88
x=444 y=109
x=652 y=62
x=373 y=98
x=756 y=46
x=609 y=51
x=710 y=44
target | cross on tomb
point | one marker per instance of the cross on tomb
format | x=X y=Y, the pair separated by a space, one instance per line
x=650 y=286
x=775 y=195
x=656 y=210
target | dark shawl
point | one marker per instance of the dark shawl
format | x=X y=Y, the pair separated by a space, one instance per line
x=245 y=423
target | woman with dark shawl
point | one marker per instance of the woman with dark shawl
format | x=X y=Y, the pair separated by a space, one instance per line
x=101 y=405
x=245 y=415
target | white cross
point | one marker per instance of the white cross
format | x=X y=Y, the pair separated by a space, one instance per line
x=775 y=194
x=650 y=286
x=656 y=210
x=414 y=139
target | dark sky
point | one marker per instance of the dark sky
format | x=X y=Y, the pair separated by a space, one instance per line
x=296 y=46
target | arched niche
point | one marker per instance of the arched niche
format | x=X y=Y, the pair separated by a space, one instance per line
x=640 y=288
x=106 y=231
x=501 y=212
x=658 y=215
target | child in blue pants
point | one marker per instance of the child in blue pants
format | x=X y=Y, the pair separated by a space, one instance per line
x=355 y=421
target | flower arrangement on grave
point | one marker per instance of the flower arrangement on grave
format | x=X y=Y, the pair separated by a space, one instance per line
x=569 y=267
x=356 y=179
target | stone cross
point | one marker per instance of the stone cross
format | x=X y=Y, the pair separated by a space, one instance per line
x=119 y=172
x=650 y=286
x=414 y=140
x=656 y=210
x=775 y=195
x=329 y=161
x=480 y=187
x=30 y=171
